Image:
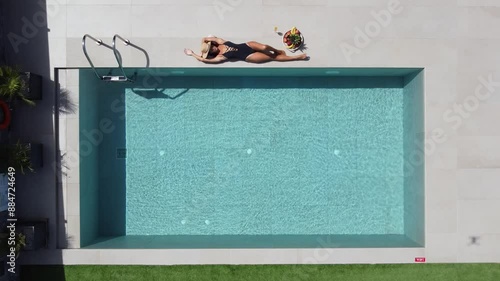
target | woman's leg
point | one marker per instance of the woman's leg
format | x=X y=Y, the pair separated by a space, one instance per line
x=284 y=57
x=259 y=47
x=259 y=57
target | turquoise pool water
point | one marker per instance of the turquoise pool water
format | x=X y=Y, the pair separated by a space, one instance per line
x=254 y=158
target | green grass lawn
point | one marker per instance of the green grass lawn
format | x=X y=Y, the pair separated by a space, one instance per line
x=406 y=272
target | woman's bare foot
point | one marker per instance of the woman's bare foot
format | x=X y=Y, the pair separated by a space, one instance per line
x=303 y=57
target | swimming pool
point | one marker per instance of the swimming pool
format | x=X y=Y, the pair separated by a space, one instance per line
x=235 y=158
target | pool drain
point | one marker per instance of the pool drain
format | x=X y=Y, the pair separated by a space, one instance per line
x=121 y=153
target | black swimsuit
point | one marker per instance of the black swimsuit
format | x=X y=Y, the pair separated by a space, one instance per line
x=237 y=51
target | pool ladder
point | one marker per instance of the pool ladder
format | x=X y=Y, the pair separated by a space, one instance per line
x=110 y=77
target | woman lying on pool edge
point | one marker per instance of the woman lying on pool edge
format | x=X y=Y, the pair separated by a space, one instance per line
x=218 y=50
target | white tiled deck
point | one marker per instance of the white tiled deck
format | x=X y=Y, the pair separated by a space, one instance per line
x=456 y=41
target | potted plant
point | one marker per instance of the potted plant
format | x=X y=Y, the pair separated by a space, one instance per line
x=293 y=39
x=5 y=247
x=16 y=85
x=21 y=156
x=33 y=89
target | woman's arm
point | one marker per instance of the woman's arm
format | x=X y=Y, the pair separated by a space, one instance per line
x=217 y=59
x=217 y=40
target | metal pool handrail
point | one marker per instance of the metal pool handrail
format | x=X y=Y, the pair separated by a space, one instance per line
x=100 y=43
x=126 y=42
x=84 y=46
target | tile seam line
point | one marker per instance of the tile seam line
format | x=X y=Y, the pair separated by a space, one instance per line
x=263 y=5
x=495 y=199
x=66 y=32
x=457 y=206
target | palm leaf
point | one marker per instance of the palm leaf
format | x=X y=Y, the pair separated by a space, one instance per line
x=12 y=84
